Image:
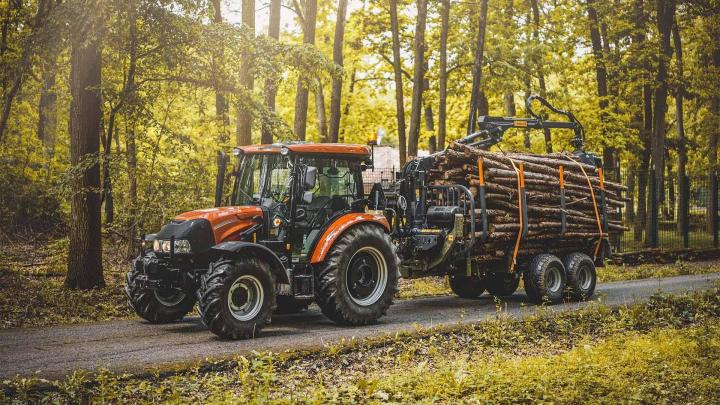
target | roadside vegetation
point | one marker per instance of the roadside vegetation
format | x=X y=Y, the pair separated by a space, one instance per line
x=663 y=351
x=32 y=279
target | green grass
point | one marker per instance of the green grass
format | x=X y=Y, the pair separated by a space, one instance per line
x=664 y=351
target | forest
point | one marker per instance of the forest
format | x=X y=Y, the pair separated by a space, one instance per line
x=113 y=111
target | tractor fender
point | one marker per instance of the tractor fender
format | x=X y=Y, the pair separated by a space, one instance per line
x=339 y=226
x=259 y=251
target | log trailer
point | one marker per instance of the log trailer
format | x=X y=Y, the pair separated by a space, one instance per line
x=296 y=227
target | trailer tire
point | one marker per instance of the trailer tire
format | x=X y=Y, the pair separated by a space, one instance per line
x=466 y=286
x=581 y=276
x=357 y=282
x=545 y=279
x=157 y=306
x=287 y=304
x=502 y=284
x=236 y=297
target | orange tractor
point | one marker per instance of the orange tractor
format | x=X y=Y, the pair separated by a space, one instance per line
x=295 y=228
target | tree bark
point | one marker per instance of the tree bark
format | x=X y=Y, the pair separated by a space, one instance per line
x=714 y=135
x=346 y=110
x=85 y=268
x=301 y=96
x=336 y=97
x=666 y=14
x=131 y=157
x=475 y=99
x=221 y=107
x=271 y=82
x=442 y=107
x=602 y=82
x=47 y=108
x=320 y=110
x=397 y=69
x=539 y=68
x=247 y=79
x=683 y=198
x=418 y=78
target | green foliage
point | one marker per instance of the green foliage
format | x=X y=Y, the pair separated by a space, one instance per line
x=665 y=350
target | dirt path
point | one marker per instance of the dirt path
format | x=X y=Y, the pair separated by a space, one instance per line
x=135 y=345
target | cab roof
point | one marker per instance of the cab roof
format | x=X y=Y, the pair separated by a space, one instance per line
x=309 y=148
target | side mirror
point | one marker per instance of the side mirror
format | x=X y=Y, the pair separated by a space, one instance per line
x=310 y=177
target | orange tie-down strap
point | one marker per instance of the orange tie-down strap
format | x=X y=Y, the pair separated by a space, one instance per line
x=520 y=174
x=597 y=212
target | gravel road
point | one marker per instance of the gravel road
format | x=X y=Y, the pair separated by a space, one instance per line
x=134 y=345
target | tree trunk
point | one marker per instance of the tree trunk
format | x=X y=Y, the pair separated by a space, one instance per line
x=442 y=107
x=320 y=110
x=418 y=78
x=271 y=82
x=630 y=176
x=301 y=97
x=346 y=110
x=85 y=268
x=47 y=108
x=397 y=68
x=540 y=70
x=247 y=80
x=713 y=137
x=666 y=13
x=683 y=198
x=602 y=83
x=221 y=107
x=336 y=97
x=477 y=68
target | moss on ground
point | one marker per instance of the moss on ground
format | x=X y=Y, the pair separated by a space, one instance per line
x=663 y=351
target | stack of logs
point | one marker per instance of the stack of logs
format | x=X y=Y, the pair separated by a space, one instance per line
x=542 y=183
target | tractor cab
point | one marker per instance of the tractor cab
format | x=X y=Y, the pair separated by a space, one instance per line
x=300 y=188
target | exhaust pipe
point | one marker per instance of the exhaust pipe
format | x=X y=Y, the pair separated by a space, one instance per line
x=222 y=162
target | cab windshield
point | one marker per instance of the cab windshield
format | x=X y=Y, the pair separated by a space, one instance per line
x=262 y=177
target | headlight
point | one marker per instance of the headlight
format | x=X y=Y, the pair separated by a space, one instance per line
x=163 y=246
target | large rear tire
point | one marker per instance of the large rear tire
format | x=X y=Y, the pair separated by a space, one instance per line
x=545 y=279
x=465 y=286
x=157 y=306
x=357 y=281
x=581 y=276
x=237 y=297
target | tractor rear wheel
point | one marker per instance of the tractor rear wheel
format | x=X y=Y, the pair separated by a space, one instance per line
x=502 y=284
x=581 y=276
x=237 y=297
x=466 y=286
x=357 y=281
x=157 y=306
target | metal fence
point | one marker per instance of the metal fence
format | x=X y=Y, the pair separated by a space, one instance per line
x=686 y=219
x=685 y=213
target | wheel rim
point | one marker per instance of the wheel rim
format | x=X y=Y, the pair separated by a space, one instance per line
x=169 y=297
x=245 y=298
x=584 y=277
x=554 y=279
x=366 y=276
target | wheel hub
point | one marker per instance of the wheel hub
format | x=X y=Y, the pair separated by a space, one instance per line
x=366 y=276
x=245 y=298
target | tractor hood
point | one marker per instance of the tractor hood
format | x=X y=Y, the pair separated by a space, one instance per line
x=226 y=223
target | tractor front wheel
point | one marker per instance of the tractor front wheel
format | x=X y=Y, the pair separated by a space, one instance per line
x=157 y=306
x=236 y=297
x=358 y=279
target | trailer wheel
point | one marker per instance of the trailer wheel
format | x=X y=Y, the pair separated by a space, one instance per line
x=237 y=297
x=581 y=276
x=466 y=286
x=290 y=305
x=502 y=284
x=545 y=279
x=358 y=279
x=157 y=306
